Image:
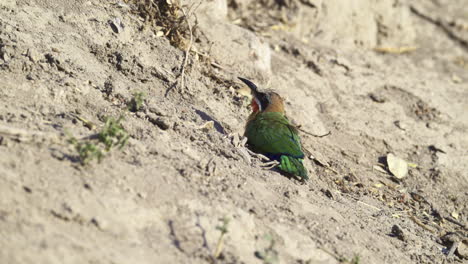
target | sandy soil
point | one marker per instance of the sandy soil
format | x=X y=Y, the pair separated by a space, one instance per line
x=161 y=198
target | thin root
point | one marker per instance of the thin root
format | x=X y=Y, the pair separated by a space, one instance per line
x=421 y=224
x=270 y=165
x=310 y=134
x=257 y=155
x=187 y=54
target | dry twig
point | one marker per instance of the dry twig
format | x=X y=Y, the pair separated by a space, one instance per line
x=368 y=205
x=450 y=219
x=421 y=224
x=299 y=127
x=187 y=51
x=395 y=50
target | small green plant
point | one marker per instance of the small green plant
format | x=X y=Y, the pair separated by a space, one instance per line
x=137 y=102
x=111 y=135
x=354 y=260
x=223 y=229
x=88 y=151
x=269 y=255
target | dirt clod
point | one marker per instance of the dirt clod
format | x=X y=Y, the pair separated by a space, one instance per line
x=398 y=232
x=163 y=123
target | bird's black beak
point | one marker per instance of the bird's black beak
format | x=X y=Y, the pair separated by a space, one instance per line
x=250 y=84
x=261 y=97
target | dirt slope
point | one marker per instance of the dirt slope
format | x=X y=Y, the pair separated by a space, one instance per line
x=161 y=198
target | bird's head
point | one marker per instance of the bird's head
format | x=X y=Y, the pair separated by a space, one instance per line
x=268 y=101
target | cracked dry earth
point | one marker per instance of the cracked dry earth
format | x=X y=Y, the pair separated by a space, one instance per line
x=161 y=198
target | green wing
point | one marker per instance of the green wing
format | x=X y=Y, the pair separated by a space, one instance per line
x=271 y=133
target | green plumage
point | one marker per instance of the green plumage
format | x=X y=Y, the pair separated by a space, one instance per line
x=271 y=134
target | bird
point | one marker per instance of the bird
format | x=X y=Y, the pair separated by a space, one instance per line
x=269 y=132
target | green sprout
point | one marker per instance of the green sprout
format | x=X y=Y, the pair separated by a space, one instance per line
x=224 y=229
x=269 y=255
x=113 y=134
x=355 y=260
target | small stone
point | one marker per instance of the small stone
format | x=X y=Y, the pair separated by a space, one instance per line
x=116 y=25
x=401 y=125
x=153 y=108
x=398 y=233
x=159 y=34
x=450 y=238
x=397 y=166
x=462 y=249
x=377 y=98
x=99 y=223
x=5 y=56
x=209 y=125
x=140 y=114
x=33 y=55
x=328 y=193
x=7 y=29
x=235 y=140
x=161 y=122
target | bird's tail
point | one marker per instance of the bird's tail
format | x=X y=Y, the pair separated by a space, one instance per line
x=294 y=166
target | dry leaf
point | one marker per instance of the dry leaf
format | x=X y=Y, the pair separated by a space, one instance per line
x=207 y=126
x=379 y=169
x=398 y=167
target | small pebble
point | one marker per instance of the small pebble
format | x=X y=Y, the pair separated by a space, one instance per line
x=161 y=122
x=398 y=233
x=33 y=55
x=377 y=98
x=462 y=249
x=156 y=110
x=401 y=125
x=116 y=25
